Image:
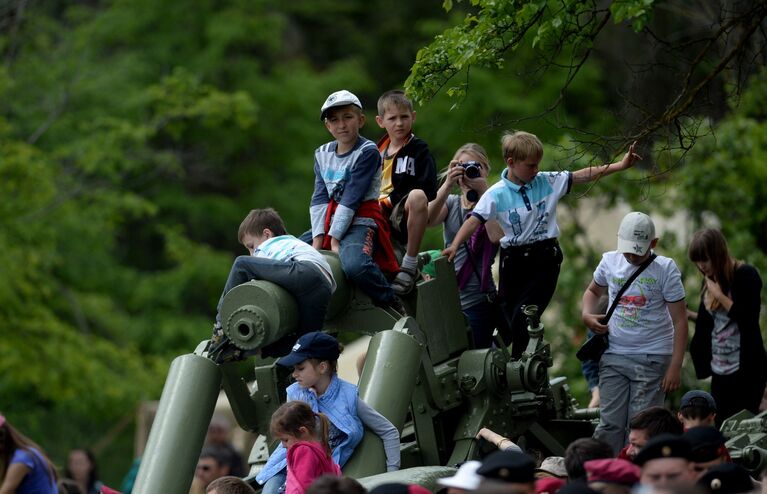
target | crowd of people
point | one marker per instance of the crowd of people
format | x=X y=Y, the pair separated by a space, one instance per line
x=368 y=199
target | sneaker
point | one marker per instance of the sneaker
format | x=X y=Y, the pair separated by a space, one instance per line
x=397 y=305
x=405 y=281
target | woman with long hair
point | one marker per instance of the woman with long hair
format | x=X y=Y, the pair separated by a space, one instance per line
x=469 y=170
x=24 y=467
x=82 y=468
x=727 y=344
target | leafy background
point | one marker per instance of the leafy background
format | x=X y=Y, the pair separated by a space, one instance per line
x=135 y=135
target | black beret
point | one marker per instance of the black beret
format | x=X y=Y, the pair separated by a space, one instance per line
x=706 y=443
x=664 y=446
x=727 y=478
x=508 y=466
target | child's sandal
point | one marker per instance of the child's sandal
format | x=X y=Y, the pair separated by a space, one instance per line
x=405 y=281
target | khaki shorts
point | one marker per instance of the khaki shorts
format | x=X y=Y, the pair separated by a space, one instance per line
x=397 y=220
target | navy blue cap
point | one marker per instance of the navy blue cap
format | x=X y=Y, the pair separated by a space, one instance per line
x=727 y=478
x=707 y=443
x=508 y=466
x=701 y=396
x=664 y=446
x=317 y=345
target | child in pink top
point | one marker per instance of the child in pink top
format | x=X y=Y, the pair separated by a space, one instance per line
x=305 y=435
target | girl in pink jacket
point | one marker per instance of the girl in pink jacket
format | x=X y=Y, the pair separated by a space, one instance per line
x=305 y=435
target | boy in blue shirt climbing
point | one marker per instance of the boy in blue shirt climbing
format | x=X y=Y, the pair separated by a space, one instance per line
x=286 y=261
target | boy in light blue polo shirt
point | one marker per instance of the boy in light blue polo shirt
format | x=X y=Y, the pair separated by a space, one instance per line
x=286 y=261
x=524 y=203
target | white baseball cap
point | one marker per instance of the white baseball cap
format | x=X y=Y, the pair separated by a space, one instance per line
x=465 y=478
x=339 y=98
x=635 y=234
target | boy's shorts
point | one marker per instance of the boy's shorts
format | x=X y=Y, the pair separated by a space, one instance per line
x=397 y=220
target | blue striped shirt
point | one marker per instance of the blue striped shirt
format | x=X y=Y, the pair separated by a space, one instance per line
x=349 y=179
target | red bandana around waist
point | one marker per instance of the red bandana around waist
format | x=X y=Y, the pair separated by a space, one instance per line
x=383 y=254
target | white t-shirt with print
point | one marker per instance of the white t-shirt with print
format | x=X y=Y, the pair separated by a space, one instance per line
x=526 y=213
x=641 y=323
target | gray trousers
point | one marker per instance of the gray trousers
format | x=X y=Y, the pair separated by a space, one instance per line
x=628 y=384
x=302 y=279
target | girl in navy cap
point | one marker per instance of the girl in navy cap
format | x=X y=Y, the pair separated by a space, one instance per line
x=314 y=359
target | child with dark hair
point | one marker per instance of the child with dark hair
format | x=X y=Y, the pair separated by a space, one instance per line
x=26 y=469
x=82 y=468
x=286 y=261
x=727 y=344
x=229 y=485
x=647 y=424
x=333 y=484
x=696 y=409
x=579 y=452
x=309 y=456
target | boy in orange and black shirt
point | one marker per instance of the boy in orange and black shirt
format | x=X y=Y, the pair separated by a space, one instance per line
x=408 y=182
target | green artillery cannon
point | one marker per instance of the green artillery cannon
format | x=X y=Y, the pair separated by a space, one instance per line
x=746 y=435
x=420 y=372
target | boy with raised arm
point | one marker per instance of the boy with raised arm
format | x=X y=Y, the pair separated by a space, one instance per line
x=525 y=202
x=408 y=183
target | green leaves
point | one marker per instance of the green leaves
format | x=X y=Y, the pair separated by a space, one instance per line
x=485 y=37
x=638 y=12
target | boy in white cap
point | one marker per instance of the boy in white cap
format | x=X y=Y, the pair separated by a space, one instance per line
x=648 y=329
x=345 y=215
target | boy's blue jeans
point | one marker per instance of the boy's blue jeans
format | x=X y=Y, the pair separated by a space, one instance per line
x=303 y=280
x=628 y=384
x=356 y=254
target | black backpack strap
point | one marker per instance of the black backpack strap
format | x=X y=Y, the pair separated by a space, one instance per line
x=625 y=286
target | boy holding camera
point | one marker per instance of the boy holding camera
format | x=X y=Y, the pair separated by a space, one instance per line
x=524 y=203
x=408 y=182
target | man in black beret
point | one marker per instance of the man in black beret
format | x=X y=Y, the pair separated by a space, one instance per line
x=665 y=462
x=515 y=469
x=727 y=478
x=707 y=449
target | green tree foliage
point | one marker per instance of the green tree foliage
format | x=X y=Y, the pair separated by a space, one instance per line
x=135 y=135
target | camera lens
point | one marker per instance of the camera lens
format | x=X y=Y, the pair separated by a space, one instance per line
x=471 y=169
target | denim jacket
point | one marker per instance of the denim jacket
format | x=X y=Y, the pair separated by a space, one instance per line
x=339 y=404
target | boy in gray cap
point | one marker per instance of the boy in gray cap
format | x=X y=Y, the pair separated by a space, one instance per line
x=345 y=215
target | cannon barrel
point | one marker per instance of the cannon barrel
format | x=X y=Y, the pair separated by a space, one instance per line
x=421 y=372
x=179 y=428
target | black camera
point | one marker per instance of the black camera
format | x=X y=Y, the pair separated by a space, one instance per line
x=471 y=169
